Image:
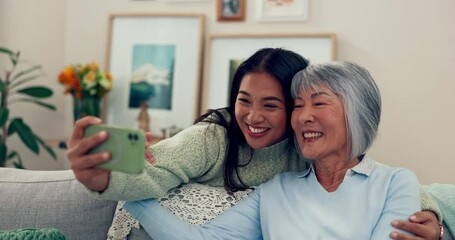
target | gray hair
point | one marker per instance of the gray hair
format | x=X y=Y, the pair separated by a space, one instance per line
x=359 y=93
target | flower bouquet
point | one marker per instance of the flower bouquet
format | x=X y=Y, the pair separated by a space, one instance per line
x=88 y=84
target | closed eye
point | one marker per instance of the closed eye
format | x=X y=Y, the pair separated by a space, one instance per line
x=271 y=106
x=243 y=100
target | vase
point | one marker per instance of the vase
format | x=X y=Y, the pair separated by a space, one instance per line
x=86 y=106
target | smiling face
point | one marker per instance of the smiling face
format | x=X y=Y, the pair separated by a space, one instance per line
x=319 y=123
x=260 y=110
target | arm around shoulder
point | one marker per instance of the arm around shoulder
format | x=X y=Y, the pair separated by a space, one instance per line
x=428 y=204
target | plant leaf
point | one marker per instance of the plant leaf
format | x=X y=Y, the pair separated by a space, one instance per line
x=11 y=130
x=4 y=113
x=46 y=147
x=42 y=104
x=14 y=57
x=12 y=154
x=22 y=81
x=3 y=151
x=18 y=165
x=22 y=73
x=7 y=51
x=38 y=92
x=25 y=134
x=2 y=85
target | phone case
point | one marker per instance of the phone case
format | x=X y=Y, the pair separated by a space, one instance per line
x=127 y=148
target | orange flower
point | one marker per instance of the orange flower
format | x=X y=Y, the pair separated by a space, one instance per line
x=66 y=74
x=90 y=77
x=69 y=79
x=82 y=80
x=93 y=67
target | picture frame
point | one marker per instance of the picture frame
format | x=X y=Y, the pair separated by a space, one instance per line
x=224 y=52
x=230 y=10
x=154 y=59
x=282 y=10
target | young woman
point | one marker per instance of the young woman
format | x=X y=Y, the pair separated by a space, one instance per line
x=253 y=132
x=240 y=146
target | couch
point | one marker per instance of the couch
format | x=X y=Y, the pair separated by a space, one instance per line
x=55 y=199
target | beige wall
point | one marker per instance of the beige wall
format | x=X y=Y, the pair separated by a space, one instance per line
x=407 y=46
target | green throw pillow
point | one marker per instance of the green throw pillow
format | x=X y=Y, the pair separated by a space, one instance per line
x=32 y=234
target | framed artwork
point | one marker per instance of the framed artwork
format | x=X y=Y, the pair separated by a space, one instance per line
x=282 y=10
x=230 y=10
x=224 y=53
x=155 y=61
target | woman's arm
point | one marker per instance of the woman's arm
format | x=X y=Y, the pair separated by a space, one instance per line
x=239 y=222
x=403 y=199
x=195 y=151
x=424 y=224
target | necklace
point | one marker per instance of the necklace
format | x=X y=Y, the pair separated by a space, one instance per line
x=337 y=182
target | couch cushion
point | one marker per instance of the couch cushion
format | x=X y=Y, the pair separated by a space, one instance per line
x=52 y=199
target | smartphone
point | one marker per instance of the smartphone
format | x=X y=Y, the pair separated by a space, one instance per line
x=126 y=145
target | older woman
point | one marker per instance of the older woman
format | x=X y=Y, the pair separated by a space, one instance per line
x=344 y=194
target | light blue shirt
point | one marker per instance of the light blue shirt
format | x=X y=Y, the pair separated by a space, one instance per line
x=295 y=205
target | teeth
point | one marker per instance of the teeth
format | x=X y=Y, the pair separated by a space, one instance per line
x=257 y=130
x=312 y=135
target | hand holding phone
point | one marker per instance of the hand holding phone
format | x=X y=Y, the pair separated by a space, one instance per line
x=126 y=146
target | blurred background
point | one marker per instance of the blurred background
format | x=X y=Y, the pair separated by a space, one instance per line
x=408 y=46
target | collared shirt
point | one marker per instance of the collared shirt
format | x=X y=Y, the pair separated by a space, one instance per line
x=296 y=206
x=365 y=167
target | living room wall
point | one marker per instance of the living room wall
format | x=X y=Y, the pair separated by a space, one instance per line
x=407 y=46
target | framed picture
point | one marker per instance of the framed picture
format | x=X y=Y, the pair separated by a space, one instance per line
x=282 y=10
x=224 y=53
x=155 y=61
x=230 y=10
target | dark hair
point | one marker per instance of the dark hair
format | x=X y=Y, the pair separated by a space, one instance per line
x=280 y=63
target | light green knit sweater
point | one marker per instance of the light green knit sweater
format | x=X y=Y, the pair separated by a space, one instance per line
x=444 y=194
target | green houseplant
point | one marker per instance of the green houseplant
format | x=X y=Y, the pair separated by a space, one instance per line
x=12 y=90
